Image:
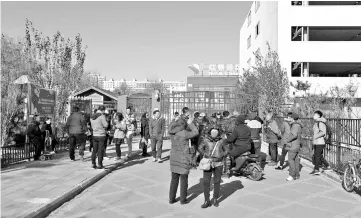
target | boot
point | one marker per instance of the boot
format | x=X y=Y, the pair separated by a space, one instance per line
x=206 y=204
x=215 y=202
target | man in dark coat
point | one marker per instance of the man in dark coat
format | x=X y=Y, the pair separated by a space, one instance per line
x=35 y=136
x=240 y=141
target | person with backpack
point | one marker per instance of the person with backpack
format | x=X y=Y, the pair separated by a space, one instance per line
x=321 y=135
x=293 y=146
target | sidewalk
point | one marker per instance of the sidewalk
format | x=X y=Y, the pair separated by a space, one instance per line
x=28 y=187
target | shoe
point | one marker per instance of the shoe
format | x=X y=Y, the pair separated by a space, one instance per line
x=215 y=202
x=290 y=178
x=206 y=204
x=100 y=167
x=159 y=161
x=172 y=201
x=184 y=202
x=146 y=155
x=327 y=168
x=155 y=159
x=73 y=159
x=94 y=166
x=315 y=172
x=279 y=168
x=297 y=177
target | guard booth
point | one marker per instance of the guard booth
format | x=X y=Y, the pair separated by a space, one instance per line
x=98 y=97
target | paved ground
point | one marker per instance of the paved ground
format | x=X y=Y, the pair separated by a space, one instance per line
x=140 y=189
x=31 y=185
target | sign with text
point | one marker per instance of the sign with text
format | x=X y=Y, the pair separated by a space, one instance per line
x=42 y=101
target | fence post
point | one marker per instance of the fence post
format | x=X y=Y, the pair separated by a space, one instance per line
x=338 y=142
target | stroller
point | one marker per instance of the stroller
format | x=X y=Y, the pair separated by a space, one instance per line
x=48 y=153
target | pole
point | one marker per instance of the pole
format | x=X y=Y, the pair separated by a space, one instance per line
x=27 y=118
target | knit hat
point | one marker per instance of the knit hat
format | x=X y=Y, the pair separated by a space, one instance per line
x=240 y=120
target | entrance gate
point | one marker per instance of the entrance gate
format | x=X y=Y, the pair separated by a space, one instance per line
x=140 y=103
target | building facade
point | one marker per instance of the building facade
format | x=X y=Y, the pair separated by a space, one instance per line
x=317 y=41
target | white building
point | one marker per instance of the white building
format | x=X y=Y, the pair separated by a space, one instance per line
x=317 y=41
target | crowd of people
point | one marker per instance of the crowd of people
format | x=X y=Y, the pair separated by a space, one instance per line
x=196 y=140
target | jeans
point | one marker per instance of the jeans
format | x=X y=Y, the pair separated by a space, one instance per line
x=130 y=142
x=207 y=175
x=105 y=145
x=174 y=186
x=157 y=148
x=39 y=147
x=294 y=162
x=283 y=155
x=79 y=138
x=318 y=155
x=117 y=147
x=98 y=149
x=273 y=151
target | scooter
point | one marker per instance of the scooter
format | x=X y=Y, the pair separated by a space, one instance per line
x=250 y=168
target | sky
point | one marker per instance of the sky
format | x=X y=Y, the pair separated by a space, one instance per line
x=138 y=40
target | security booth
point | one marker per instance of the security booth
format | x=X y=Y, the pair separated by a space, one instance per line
x=96 y=97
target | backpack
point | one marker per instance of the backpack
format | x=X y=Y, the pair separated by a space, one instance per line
x=328 y=135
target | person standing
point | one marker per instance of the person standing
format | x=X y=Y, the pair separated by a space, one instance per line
x=319 y=133
x=181 y=160
x=293 y=146
x=144 y=133
x=119 y=134
x=76 y=127
x=47 y=129
x=273 y=136
x=131 y=128
x=285 y=130
x=99 y=125
x=156 y=131
x=213 y=147
x=35 y=136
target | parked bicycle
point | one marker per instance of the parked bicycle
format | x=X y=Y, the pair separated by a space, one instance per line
x=351 y=179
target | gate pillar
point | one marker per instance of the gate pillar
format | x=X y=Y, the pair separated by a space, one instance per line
x=155 y=102
x=122 y=104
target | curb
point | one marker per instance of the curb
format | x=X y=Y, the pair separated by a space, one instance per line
x=331 y=175
x=45 y=210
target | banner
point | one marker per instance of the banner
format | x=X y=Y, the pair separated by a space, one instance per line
x=42 y=101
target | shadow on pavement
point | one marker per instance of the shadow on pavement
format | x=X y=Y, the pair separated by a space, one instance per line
x=229 y=188
x=164 y=159
x=135 y=160
x=195 y=190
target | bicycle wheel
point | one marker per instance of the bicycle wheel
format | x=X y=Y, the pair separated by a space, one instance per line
x=348 y=179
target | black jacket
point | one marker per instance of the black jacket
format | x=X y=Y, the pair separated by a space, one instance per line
x=241 y=135
x=34 y=131
x=144 y=130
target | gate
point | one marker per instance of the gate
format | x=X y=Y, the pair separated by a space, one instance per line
x=202 y=101
x=140 y=103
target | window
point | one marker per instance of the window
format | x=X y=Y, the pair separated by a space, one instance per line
x=249 y=42
x=257 y=29
x=249 y=18
x=296 y=2
x=257 y=55
x=256 y=5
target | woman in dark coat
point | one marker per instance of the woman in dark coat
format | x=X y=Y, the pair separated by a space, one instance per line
x=181 y=159
x=240 y=139
x=144 y=132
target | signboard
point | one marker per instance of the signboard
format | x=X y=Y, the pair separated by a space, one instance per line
x=42 y=101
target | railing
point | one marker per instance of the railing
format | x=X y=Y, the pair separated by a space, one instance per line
x=346 y=141
x=20 y=152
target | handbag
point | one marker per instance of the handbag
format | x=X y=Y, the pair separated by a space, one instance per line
x=205 y=163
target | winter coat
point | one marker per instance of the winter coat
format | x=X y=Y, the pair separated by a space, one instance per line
x=120 y=129
x=241 y=135
x=131 y=122
x=294 y=138
x=99 y=124
x=144 y=131
x=33 y=131
x=272 y=132
x=76 y=123
x=181 y=159
x=255 y=124
x=285 y=130
x=157 y=128
x=319 y=131
x=207 y=145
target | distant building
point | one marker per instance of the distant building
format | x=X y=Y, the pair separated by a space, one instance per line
x=98 y=80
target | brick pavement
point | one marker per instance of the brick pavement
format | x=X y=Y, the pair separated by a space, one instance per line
x=140 y=189
x=28 y=186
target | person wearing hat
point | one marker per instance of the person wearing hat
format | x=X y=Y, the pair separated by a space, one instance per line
x=241 y=141
x=294 y=146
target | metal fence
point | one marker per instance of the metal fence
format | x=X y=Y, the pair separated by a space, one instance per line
x=346 y=141
x=19 y=152
x=202 y=101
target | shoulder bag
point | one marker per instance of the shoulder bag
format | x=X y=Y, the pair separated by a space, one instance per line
x=205 y=163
